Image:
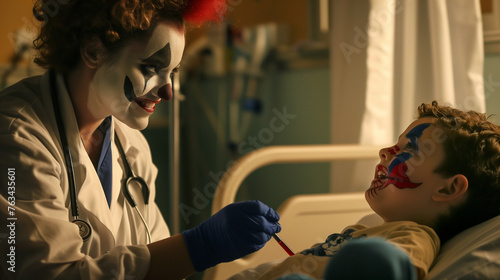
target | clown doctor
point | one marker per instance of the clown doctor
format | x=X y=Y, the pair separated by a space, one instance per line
x=70 y=139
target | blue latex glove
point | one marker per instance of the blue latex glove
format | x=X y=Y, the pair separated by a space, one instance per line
x=235 y=231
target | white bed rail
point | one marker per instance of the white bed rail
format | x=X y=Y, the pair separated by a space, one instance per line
x=235 y=175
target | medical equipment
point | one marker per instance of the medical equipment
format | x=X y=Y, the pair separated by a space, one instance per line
x=84 y=227
x=249 y=54
x=129 y=173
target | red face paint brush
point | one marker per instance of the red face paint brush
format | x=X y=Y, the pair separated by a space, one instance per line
x=283 y=245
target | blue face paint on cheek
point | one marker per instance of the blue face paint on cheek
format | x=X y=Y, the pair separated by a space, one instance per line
x=397 y=168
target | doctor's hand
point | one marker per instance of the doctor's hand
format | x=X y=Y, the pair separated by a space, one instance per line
x=235 y=231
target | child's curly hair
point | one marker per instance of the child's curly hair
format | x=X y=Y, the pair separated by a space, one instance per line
x=67 y=25
x=472 y=148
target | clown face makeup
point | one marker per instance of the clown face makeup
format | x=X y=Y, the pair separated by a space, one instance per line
x=405 y=179
x=398 y=168
x=130 y=83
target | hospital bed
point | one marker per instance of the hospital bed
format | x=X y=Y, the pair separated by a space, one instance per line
x=473 y=254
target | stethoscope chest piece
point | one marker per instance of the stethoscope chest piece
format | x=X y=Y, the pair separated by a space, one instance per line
x=84 y=228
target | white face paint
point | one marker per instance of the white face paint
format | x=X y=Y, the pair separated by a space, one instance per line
x=129 y=84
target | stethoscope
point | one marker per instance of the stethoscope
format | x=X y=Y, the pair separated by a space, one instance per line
x=84 y=227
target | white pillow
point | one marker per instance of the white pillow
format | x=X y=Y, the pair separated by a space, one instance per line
x=472 y=254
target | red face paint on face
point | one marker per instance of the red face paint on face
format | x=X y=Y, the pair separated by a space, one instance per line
x=394 y=150
x=399 y=178
x=396 y=175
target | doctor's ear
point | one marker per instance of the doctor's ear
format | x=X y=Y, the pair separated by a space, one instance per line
x=92 y=53
x=455 y=188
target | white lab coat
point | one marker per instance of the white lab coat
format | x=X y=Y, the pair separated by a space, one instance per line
x=47 y=245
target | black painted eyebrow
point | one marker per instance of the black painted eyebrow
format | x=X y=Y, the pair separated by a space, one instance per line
x=163 y=57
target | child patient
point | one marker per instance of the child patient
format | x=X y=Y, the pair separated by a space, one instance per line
x=440 y=178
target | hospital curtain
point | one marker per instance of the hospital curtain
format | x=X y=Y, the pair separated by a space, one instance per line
x=389 y=56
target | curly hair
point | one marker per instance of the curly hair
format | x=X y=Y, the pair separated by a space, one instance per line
x=472 y=148
x=68 y=24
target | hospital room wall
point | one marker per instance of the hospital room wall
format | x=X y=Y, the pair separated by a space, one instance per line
x=295 y=100
x=492 y=85
x=305 y=94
